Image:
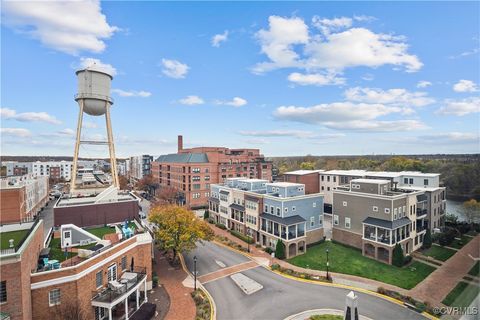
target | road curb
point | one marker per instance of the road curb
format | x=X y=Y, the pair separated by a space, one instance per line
x=342 y=286
x=213 y=307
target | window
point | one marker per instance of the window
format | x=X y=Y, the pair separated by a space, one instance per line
x=99 y=279
x=404 y=211
x=285 y=209
x=266 y=208
x=347 y=223
x=100 y=313
x=425 y=182
x=375 y=209
x=328 y=178
x=124 y=262
x=328 y=188
x=272 y=209
x=323 y=188
x=405 y=180
x=320 y=219
x=278 y=211
x=411 y=180
x=335 y=219
x=323 y=178
x=314 y=204
x=112 y=273
x=312 y=221
x=3 y=291
x=54 y=297
x=334 y=179
x=387 y=210
x=344 y=203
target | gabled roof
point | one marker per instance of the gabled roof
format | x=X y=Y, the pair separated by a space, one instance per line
x=183 y=158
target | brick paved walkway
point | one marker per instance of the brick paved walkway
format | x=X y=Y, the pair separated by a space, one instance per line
x=225 y=272
x=441 y=281
x=182 y=306
x=338 y=278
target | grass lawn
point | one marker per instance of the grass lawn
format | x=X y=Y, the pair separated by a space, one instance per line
x=439 y=253
x=325 y=317
x=56 y=252
x=348 y=260
x=457 y=244
x=17 y=236
x=101 y=231
x=475 y=271
x=462 y=295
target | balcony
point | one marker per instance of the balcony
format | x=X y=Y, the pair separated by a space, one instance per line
x=118 y=290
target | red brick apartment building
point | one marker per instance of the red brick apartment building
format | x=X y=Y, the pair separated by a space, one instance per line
x=22 y=197
x=192 y=171
x=310 y=178
x=81 y=285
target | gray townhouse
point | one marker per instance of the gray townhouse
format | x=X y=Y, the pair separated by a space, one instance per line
x=269 y=212
x=372 y=215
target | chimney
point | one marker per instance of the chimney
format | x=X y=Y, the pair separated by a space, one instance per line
x=180 y=143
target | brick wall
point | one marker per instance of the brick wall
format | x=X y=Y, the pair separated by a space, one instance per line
x=11 y=205
x=348 y=238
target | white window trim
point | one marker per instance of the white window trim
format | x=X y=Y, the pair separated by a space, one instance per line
x=375 y=209
x=349 y=223
x=50 y=298
x=345 y=203
x=336 y=220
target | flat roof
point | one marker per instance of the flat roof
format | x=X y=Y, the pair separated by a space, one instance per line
x=383 y=174
x=285 y=184
x=360 y=173
x=419 y=174
x=420 y=188
x=303 y=172
x=374 y=181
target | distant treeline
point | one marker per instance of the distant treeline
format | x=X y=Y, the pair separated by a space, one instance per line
x=460 y=174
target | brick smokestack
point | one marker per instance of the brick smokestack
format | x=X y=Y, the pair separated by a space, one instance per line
x=180 y=143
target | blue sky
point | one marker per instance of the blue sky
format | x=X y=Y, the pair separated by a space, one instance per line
x=289 y=78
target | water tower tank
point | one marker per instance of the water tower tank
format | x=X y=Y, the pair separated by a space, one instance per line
x=94 y=90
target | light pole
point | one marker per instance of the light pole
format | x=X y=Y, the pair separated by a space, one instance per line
x=195 y=273
x=248 y=239
x=328 y=276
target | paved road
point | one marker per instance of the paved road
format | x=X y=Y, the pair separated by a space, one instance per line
x=47 y=216
x=280 y=296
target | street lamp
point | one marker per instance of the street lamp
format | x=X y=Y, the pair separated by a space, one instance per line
x=195 y=273
x=328 y=276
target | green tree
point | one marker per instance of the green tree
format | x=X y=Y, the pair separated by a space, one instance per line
x=427 y=240
x=307 y=165
x=398 y=258
x=280 y=250
x=472 y=210
x=178 y=229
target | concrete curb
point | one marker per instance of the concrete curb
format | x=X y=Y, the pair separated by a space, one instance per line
x=213 y=307
x=308 y=313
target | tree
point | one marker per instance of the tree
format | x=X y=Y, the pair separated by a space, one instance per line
x=206 y=215
x=307 y=165
x=472 y=210
x=427 y=240
x=167 y=195
x=123 y=181
x=398 y=258
x=280 y=250
x=178 y=229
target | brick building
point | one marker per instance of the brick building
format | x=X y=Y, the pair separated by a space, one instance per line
x=310 y=178
x=22 y=197
x=191 y=171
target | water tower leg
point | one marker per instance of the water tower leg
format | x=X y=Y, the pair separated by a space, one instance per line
x=73 y=174
x=111 y=147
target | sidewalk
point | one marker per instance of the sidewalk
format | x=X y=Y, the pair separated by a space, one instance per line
x=338 y=278
x=182 y=306
x=440 y=282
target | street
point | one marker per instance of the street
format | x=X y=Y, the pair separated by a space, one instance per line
x=280 y=296
x=47 y=215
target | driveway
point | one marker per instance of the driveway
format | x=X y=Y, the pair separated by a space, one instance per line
x=280 y=296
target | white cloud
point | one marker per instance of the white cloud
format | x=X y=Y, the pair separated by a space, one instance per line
x=277 y=42
x=132 y=93
x=348 y=116
x=364 y=18
x=451 y=137
x=465 y=86
x=329 y=25
x=96 y=64
x=89 y=125
x=423 y=84
x=67 y=26
x=174 y=69
x=287 y=43
x=191 y=100
x=466 y=53
x=315 y=79
x=368 y=77
x=28 y=116
x=15 y=132
x=397 y=97
x=279 y=133
x=235 y=102
x=219 y=38
x=460 y=107
x=67 y=132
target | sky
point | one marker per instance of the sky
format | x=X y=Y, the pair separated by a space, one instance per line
x=289 y=78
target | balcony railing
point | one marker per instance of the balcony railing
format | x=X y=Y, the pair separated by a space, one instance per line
x=421 y=212
x=121 y=287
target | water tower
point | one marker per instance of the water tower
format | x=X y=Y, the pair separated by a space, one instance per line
x=94 y=99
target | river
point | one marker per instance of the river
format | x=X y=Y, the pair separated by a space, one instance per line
x=456 y=208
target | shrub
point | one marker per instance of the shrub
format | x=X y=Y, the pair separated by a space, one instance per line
x=268 y=250
x=427 y=240
x=280 y=250
x=221 y=226
x=398 y=257
x=447 y=237
x=464 y=228
x=275 y=266
x=241 y=236
x=407 y=260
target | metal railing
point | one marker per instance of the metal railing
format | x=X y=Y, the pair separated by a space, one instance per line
x=109 y=294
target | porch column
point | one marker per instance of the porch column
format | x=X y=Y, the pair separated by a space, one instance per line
x=296 y=231
x=376 y=233
x=110 y=314
x=145 y=286
x=126 y=307
x=138 y=298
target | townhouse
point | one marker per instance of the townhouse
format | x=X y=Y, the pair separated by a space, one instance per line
x=269 y=212
x=373 y=216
